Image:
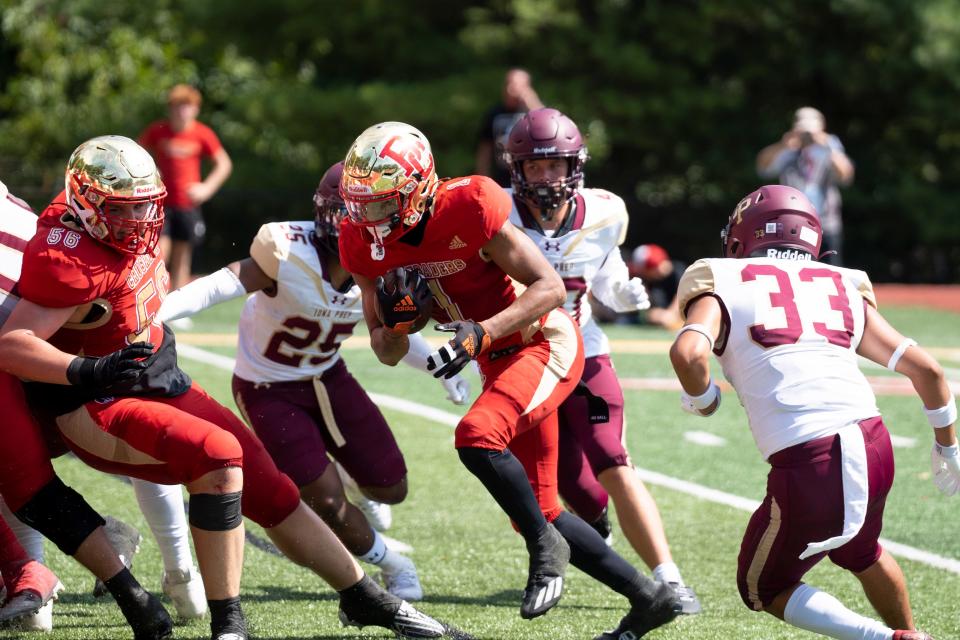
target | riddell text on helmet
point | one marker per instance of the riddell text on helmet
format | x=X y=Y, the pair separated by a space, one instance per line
x=788 y=254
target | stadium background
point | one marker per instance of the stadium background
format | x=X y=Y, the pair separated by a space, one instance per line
x=676 y=98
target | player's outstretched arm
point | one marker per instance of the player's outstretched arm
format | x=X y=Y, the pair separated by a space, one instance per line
x=690 y=356
x=389 y=346
x=232 y=281
x=24 y=350
x=614 y=287
x=886 y=346
x=520 y=259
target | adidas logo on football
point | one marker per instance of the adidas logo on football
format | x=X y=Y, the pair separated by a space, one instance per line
x=405 y=305
x=457 y=243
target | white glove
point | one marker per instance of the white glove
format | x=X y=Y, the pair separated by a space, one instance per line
x=458 y=389
x=699 y=405
x=631 y=294
x=945 y=467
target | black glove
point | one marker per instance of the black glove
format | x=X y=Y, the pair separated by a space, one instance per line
x=404 y=297
x=99 y=374
x=470 y=341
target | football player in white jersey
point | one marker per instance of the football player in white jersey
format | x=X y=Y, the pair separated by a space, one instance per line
x=787 y=330
x=580 y=231
x=292 y=385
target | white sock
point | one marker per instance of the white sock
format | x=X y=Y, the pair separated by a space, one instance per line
x=162 y=507
x=668 y=572
x=377 y=552
x=29 y=538
x=814 y=610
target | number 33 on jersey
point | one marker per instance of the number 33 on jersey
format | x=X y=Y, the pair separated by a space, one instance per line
x=804 y=319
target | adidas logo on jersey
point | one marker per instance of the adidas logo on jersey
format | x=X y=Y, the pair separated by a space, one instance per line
x=788 y=254
x=406 y=304
x=457 y=243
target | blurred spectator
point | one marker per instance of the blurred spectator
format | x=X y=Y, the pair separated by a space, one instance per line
x=518 y=98
x=813 y=161
x=178 y=144
x=661 y=276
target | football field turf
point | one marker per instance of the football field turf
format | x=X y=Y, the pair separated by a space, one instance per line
x=472 y=564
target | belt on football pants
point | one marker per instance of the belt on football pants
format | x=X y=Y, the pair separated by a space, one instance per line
x=326 y=410
x=853 y=471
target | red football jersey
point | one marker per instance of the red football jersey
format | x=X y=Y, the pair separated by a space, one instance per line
x=178 y=155
x=64 y=267
x=467 y=213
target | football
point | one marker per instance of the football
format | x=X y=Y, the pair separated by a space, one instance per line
x=393 y=283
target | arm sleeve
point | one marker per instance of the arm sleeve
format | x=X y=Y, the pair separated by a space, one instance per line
x=266 y=252
x=419 y=350
x=696 y=281
x=613 y=273
x=201 y=294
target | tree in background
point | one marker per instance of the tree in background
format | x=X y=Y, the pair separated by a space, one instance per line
x=675 y=98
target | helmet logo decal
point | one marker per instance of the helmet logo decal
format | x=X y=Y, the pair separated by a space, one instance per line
x=410 y=159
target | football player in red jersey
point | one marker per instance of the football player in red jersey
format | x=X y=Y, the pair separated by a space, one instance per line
x=456 y=235
x=92 y=282
x=32 y=490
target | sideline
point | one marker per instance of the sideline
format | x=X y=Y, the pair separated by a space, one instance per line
x=450 y=419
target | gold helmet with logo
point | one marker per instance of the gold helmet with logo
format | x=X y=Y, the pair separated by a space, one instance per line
x=389 y=180
x=114 y=187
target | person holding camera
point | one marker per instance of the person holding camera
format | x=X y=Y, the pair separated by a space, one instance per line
x=814 y=161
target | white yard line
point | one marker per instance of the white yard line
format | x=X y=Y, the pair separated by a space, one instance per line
x=450 y=419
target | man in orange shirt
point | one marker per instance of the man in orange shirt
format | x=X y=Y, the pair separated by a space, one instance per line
x=178 y=144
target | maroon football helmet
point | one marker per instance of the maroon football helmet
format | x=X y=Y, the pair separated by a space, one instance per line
x=773 y=217
x=329 y=208
x=545 y=133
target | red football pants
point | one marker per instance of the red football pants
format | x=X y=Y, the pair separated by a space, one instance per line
x=24 y=459
x=517 y=408
x=175 y=441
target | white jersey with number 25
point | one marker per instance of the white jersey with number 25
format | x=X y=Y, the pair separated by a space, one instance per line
x=788 y=343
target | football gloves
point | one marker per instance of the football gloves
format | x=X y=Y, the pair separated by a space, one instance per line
x=469 y=341
x=402 y=304
x=945 y=468
x=458 y=389
x=700 y=405
x=631 y=294
x=101 y=374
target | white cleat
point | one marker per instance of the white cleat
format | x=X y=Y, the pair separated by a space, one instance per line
x=185 y=590
x=378 y=514
x=402 y=580
x=42 y=620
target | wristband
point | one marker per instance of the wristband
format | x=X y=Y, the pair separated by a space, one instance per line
x=707 y=398
x=699 y=328
x=898 y=353
x=944 y=416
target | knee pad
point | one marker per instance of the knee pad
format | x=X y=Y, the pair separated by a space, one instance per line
x=220 y=450
x=61 y=515
x=479 y=429
x=215 y=512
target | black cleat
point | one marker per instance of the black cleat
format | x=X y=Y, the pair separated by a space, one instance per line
x=549 y=558
x=150 y=621
x=644 y=618
x=367 y=604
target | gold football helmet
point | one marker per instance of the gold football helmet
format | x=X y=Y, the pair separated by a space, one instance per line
x=114 y=187
x=388 y=180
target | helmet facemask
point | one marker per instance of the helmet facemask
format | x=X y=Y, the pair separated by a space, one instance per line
x=549 y=196
x=114 y=188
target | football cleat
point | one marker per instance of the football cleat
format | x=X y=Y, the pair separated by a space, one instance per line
x=911 y=635
x=125 y=539
x=549 y=558
x=378 y=514
x=148 y=619
x=367 y=604
x=644 y=618
x=32 y=587
x=42 y=620
x=185 y=590
x=402 y=580
x=689 y=603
